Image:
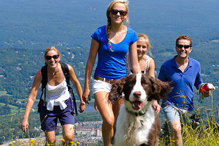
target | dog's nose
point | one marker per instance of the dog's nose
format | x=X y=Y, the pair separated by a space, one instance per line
x=137 y=94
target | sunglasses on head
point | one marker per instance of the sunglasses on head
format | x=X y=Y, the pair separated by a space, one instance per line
x=54 y=57
x=181 y=46
x=121 y=12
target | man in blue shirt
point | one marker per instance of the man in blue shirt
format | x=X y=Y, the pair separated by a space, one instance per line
x=183 y=73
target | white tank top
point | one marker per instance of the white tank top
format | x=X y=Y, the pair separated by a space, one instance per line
x=146 y=66
x=56 y=95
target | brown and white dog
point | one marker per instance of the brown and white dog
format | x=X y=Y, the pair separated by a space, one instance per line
x=137 y=123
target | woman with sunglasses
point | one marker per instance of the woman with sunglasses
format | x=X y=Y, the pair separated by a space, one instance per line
x=146 y=63
x=58 y=103
x=111 y=42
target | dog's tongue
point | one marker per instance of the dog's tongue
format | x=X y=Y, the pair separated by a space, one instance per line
x=136 y=105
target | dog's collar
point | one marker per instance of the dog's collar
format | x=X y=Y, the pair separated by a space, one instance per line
x=139 y=113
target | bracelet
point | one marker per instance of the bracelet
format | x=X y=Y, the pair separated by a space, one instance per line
x=83 y=103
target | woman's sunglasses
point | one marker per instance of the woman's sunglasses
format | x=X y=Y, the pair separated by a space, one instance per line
x=54 y=57
x=121 y=12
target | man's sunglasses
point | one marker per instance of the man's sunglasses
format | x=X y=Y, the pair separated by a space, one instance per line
x=181 y=46
x=121 y=12
x=50 y=57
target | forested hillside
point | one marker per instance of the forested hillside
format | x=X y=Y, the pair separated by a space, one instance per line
x=19 y=66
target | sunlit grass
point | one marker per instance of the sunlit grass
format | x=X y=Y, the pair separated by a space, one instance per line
x=198 y=131
x=206 y=133
x=41 y=143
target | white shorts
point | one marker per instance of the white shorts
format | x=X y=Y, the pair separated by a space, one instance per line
x=100 y=86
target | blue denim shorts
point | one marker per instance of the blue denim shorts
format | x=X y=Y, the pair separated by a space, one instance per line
x=173 y=113
x=49 y=118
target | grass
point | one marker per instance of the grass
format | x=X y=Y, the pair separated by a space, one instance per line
x=204 y=132
x=3 y=93
x=39 y=142
x=197 y=131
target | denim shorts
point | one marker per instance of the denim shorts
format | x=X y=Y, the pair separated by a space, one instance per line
x=100 y=86
x=49 y=118
x=173 y=113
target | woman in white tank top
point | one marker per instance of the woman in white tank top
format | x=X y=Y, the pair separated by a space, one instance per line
x=58 y=104
x=146 y=63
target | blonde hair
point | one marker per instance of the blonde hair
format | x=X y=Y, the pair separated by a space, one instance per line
x=145 y=37
x=125 y=2
x=49 y=49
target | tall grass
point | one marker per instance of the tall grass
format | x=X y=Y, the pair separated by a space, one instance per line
x=202 y=133
x=197 y=131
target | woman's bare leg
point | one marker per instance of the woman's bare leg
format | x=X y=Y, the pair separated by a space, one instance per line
x=105 y=109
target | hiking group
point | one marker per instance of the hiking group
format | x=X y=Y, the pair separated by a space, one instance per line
x=120 y=52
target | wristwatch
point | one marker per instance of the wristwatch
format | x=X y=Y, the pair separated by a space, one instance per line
x=83 y=103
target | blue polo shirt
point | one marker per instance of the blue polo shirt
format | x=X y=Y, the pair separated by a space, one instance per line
x=112 y=65
x=182 y=83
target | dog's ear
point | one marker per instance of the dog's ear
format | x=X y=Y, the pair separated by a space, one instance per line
x=160 y=89
x=117 y=89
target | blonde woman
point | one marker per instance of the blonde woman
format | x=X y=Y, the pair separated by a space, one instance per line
x=111 y=42
x=58 y=104
x=146 y=63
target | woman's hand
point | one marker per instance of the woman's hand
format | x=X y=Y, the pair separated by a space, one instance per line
x=86 y=96
x=156 y=106
x=24 y=125
x=82 y=107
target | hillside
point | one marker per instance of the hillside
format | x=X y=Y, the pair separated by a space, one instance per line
x=27 y=28
x=20 y=65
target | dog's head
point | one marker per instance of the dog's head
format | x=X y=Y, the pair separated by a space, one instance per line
x=139 y=90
